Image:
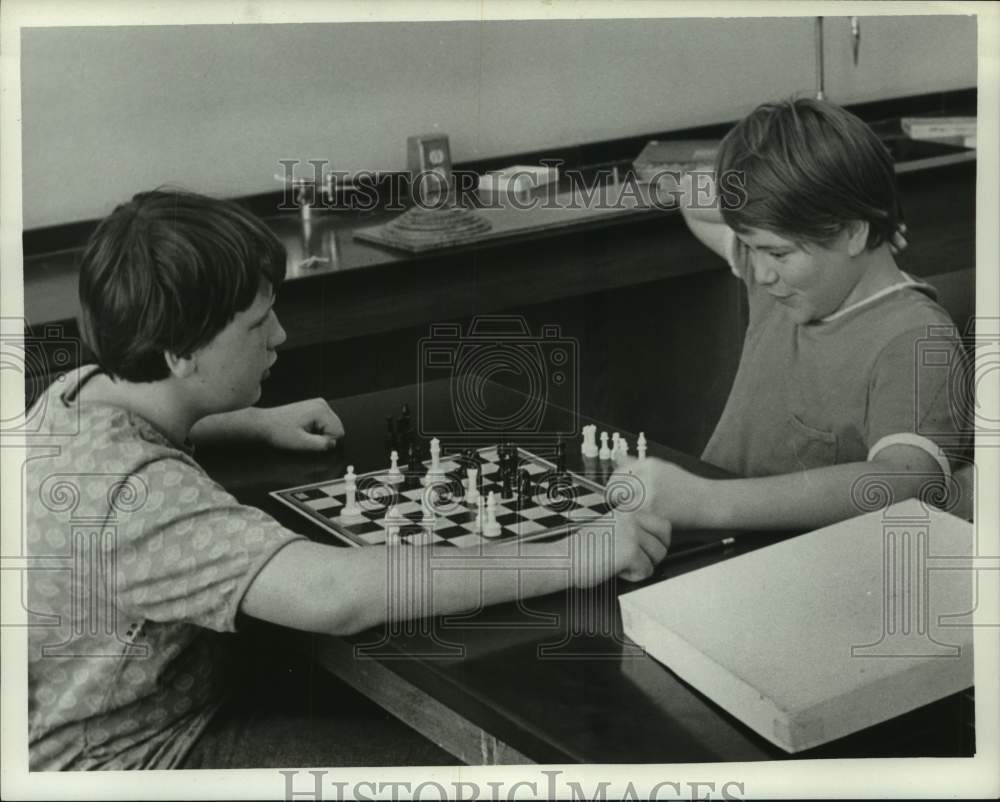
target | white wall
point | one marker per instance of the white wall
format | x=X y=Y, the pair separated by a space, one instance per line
x=110 y=111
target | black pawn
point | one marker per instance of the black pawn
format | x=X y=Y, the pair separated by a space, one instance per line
x=413 y=454
x=525 y=487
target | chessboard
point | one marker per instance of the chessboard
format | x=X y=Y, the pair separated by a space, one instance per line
x=558 y=503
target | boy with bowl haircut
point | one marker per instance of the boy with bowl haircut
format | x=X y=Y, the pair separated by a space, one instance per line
x=127 y=658
x=828 y=391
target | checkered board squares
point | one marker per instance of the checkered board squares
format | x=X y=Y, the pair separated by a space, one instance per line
x=558 y=504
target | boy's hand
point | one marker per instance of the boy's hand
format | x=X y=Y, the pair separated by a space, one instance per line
x=898 y=243
x=635 y=551
x=668 y=495
x=303 y=426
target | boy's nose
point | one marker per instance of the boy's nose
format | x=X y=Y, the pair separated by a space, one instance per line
x=764 y=273
x=278 y=336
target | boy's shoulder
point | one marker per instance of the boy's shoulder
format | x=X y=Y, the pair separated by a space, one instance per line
x=908 y=311
x=90 y=445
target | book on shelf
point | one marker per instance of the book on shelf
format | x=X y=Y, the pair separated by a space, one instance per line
x=938 y=127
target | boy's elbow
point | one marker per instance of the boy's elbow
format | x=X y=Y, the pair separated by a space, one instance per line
x=910 y=471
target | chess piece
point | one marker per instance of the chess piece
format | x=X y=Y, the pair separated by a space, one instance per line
x=413 y=457
x=491 y=528
x=351 y=511
x=525 y=487
x=641 y=445
x=394 y=475
x=434 y=472
x=605 y=452
x=589 y=448
x=560 y=457
x=472 y=487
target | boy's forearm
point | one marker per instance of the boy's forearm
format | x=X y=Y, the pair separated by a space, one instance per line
x=379 y=584
x=240 y=425
x=805 y=500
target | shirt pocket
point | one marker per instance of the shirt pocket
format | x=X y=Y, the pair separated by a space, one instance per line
x=809 y=447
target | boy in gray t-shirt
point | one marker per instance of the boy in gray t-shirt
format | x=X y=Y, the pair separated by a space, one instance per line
x=832 y=389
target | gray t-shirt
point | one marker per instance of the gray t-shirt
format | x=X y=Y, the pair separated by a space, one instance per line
x=886 y=370
x=139 y=564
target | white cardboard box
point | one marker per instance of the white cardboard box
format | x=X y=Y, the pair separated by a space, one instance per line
x=824 y=634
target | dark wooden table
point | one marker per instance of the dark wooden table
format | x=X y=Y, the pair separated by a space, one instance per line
x=552 y=679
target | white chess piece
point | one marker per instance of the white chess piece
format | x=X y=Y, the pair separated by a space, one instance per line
x=641 y=445
x=490 y=527
x=351 y=511
x=395 y=474
x=605 y=452
x=472 y=480
x=434 y=472
x=590 y=441
x=621 y=453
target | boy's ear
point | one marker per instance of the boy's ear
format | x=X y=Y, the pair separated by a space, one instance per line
x=180 y=366
x=857 y=237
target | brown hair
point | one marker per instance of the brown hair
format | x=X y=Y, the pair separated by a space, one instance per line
x=166 y=272
x=807 y=168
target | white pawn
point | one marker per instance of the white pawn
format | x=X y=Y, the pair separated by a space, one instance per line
x=641 y=445
x=605 y=452
x=621 y=451
x=472 y=493
x=395 y=475
x=351 y=511
x=490 y=527
x=614 y=444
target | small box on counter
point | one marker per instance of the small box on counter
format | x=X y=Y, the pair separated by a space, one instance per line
x=518 y=179
x=677 y=154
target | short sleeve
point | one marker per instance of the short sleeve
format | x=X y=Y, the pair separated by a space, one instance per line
x=189 y=552
x=916 y=396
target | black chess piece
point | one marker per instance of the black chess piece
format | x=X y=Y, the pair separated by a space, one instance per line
x=413 y=455
x=525 y=487
x=506 y=485
x=560 y=457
